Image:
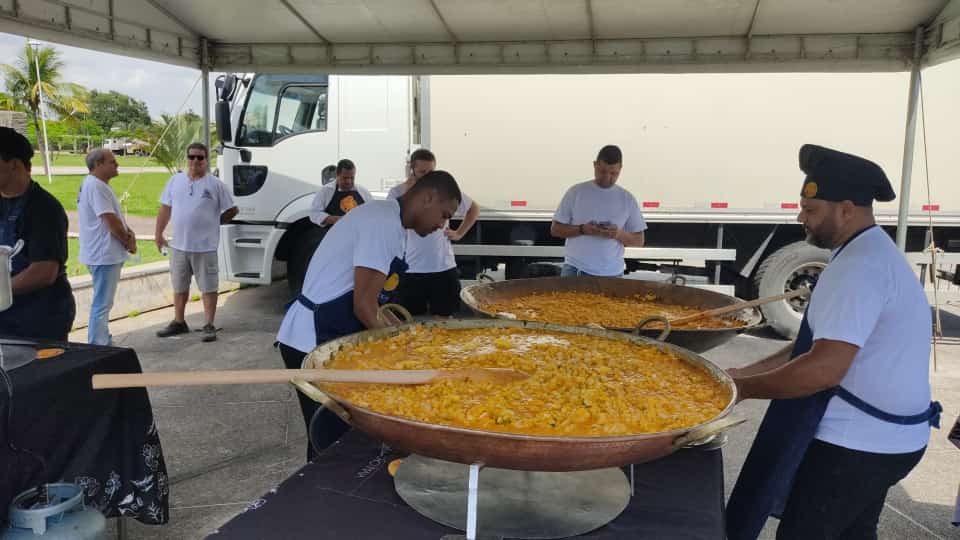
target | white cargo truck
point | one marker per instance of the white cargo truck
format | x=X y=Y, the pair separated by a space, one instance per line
x=712 y=159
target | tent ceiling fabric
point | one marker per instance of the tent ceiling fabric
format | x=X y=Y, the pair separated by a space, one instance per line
x=487 y=36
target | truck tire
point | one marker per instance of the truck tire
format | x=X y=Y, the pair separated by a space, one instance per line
x=302 y=251
x=789 y=268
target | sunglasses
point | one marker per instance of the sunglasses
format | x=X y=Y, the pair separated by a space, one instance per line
x=196 y=157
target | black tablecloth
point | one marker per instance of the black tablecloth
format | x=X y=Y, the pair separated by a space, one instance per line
x=103 y=440
x=347 y=493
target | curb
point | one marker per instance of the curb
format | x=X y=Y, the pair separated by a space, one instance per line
x=142 y=288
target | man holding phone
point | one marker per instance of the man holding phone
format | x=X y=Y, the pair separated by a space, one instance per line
x=598 y=218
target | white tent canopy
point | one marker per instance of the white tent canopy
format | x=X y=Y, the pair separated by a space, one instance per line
x=512 y=36
x=485 y=36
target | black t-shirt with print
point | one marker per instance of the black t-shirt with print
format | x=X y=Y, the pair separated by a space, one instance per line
x=43 y=228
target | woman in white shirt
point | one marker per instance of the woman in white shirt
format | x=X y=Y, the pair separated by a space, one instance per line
x=432 y=283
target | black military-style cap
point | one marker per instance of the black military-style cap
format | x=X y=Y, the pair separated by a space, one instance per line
x=836 y=176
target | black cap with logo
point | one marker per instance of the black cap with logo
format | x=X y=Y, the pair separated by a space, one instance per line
x=836 y=176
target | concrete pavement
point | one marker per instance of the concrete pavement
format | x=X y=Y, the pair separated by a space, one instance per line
x=226 y=445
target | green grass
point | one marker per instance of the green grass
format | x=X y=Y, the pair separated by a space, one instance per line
x=63 y=159
x=144 y=198
x=146 y=249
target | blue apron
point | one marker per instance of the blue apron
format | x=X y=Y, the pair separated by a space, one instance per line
x=36 y=314
x=343 y=201
x=787 y=429
x=334 y=319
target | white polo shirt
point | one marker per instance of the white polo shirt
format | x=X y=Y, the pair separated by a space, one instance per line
x=318 y=207
x=196 y=207
x=98 y=246
x=585 y=202
x=434 y=252
x=870 y=297
x=370 y=236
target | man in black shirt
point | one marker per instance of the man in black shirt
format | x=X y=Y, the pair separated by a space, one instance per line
x=43 y=305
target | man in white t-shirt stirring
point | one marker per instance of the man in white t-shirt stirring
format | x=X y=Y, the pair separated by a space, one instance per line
x=851 y=410
x=198 y=203
x=598 y=219
x=105 y=240
x=357 y=267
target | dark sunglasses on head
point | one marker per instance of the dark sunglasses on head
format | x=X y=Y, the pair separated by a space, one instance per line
x=196 y=157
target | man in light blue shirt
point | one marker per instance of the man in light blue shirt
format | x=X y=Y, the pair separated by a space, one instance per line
x=105 y=240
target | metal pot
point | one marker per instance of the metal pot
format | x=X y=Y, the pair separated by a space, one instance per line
x=508 y=450
x=697 y=340
x=7 y=254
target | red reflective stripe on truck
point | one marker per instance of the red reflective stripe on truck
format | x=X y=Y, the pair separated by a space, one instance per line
x=931 y=208
x=651 y=204
x=518 y=203
x=719 y=205
x=789 y=205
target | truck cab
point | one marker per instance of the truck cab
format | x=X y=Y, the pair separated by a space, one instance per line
x=282 y=136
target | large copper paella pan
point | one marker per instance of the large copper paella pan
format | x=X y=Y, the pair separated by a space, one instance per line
x=508 y=450
x=697 y=340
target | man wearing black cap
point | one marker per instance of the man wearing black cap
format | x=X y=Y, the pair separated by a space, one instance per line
x=850 y=414
x=43 y=305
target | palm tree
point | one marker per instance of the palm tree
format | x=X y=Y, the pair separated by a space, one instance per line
x=177 y=133
x=67 y=100
x=8 y=103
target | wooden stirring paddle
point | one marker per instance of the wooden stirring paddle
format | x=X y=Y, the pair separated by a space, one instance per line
x=260 y=376
x=740 y=305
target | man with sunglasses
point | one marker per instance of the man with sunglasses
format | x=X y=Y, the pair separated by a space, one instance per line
x=43 y=305
x=197 y=202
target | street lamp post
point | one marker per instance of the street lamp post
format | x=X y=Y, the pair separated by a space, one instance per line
x=43 y=117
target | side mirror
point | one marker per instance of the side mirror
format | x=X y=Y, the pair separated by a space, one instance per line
x=224 y=129
x=226 y=86
x=328 y=174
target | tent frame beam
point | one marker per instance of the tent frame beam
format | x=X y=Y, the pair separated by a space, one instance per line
x=909 y=139
x=168 y=14
x=138 y=40
x=739 y=53
x=303 y=20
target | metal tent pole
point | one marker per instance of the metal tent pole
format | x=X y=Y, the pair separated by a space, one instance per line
x=908 y=141
x=205 y=85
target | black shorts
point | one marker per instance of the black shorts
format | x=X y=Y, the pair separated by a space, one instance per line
x=435 y=293
x=839 y=493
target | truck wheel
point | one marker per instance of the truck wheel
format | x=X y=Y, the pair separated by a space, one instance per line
x=789 y=268
x=303 y=248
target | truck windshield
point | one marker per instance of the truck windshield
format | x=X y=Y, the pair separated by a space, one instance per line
x=279 y=106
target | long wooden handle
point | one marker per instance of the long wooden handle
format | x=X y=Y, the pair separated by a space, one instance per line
x=255 y=376
x=740 y=305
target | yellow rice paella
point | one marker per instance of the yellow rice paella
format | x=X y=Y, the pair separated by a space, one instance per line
x=580 y=308
x=579 y=385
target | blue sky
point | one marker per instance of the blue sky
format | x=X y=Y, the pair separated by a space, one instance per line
x=161 y=86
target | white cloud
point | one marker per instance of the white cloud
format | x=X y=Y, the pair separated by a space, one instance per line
x=163 y=87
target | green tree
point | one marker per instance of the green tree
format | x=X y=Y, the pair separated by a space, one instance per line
x=113 y=109
x=9 y=103
x=177 y=133
x=65 y=99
